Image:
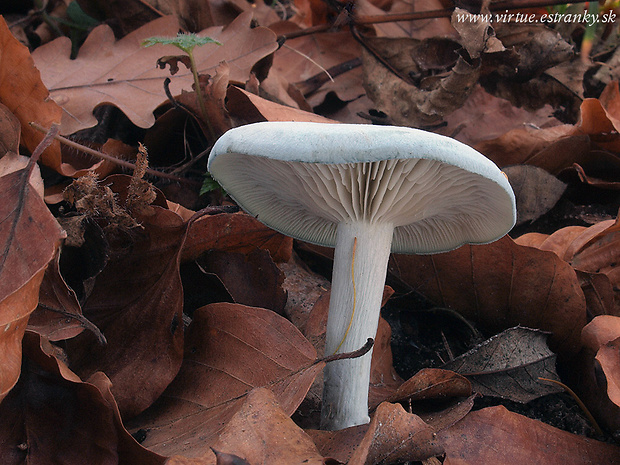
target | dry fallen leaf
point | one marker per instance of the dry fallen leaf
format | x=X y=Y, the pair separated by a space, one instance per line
x=51 y=413
x=30 y=238
x=252 y=279
x=230 y=349
x=495 y=435
x=536 y=191
x=236 y=232
x=23 y=93
x=124 y=74
x=508 y=366
x=260 y=432
x=602 y=335
x=137 y=302
x=493 y=285
x=393 y=436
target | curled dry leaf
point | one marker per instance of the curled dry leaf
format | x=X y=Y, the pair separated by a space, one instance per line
x=124 y=74
x=602 y=336
x=495 y=435
x=137 y=302
x=303 y=288
x=245 y=107
x=230 y=349
x=23 y=93
x=486 y=117
x=536 y=191
x=432 y=383
x=252 y=279
x=493 y=285
x=235 y=232
x=260 y=432
x=30 y=238
x=593 y=252
x=559 y=148
x=52 y=413
x=405 y=103
x=10 y=160
x=59 y=314
x=393 y=436
x=383 y=377
x=509 y=364
x=396 y=436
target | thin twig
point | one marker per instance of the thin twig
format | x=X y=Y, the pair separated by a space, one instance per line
x=117 y=161
x=583 y=407
x=356 y=353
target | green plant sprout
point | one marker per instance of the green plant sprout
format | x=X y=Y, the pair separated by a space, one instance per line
x=187 y=42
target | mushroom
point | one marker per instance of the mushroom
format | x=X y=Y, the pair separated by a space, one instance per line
x=367 y=191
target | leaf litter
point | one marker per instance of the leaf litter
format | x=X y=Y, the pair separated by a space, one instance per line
x=230 y=373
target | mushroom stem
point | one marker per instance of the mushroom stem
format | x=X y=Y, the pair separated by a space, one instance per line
x=345 y=392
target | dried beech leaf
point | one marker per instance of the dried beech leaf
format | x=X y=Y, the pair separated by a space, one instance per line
x=59 y=314
x=409 y=105
x=124 y=74
x=251 y=279
x=303 y=288
x=592 y=252
x=476 y=36
x=9 y=131
x=246 y=107
x=602 y=336
x=493 y=285
x=230 y=349
x=509 y=364
x=23 y=93
x=539 y=47
x=383 y=377
x=432 y=383
x=600 y=253
x=496 y=436
x=30 y=237
x=536 y=191
x=395 y=436
x=260 y=432
x=51 y=413
x=236 y=232
x=137 y=302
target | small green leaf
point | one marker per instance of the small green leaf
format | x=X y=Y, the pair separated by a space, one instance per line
x=185 y=42
x=209 y=184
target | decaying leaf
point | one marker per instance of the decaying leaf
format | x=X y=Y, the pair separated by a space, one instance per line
x=303 y=288
x=124 y=74
x=405 y=103
x=260 y=432
x=602 y=336
x=432 y=383
x=23 y=93
x=393 y=436
x=536 y=191
x=509 y=364
x=30 y=238
x=51 y=413
x=237 y=232
x=252 y=279
x=59 y=314
x=593 y=252
x=494 y=286
x=230 y=349
x=495 y=435
x=137 y=302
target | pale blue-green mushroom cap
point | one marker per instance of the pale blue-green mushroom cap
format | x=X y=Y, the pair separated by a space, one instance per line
x=302 y=179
